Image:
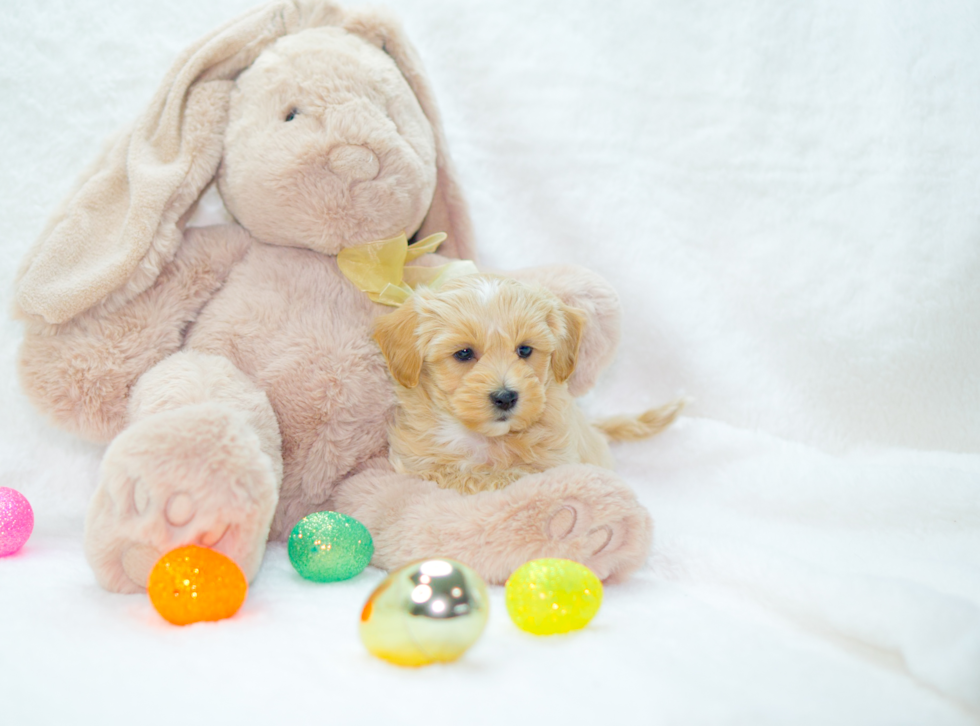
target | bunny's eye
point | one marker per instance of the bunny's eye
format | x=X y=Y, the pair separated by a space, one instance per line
x=293 y=113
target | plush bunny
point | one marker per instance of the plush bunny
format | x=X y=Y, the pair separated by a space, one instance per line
x=231 y=367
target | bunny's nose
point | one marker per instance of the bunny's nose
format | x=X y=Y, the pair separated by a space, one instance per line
x=353 y=163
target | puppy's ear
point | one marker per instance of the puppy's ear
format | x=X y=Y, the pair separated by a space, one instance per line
x=395 y=333
x=568 y=324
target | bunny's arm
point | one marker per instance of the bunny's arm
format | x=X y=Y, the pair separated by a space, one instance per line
x=79 y=373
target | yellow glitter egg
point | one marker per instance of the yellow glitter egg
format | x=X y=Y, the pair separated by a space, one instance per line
x=426 y=612
x=192 y=583
x=549 y=596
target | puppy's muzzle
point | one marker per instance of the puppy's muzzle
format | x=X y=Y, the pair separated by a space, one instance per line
x=504 y=399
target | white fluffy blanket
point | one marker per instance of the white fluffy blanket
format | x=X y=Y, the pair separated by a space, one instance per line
x=786 y=196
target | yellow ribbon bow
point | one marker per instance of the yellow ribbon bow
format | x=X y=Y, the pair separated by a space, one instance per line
x=378 y=268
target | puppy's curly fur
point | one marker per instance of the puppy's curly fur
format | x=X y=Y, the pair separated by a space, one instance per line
x=480 y=368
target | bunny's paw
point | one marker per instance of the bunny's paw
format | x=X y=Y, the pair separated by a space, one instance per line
x=195 y=475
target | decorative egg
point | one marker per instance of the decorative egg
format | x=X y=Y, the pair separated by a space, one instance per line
x=16 y=520
x=426 y=612
x=191 y=584
x=330 y=546
x=549 y=596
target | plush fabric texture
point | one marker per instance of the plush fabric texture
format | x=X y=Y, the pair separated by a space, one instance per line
x=325 y=147
x=134 y=197
x=125 y=221
x=783 y=197
x=364 y=119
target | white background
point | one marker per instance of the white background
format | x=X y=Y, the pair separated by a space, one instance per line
x=787 y=197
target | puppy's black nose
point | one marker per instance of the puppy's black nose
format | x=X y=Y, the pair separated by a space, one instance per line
x=504 y=399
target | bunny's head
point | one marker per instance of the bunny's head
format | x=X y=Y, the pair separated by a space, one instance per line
x=319 y=127
x=326 y=145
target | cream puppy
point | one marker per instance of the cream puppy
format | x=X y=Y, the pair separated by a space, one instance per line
x=480 y=367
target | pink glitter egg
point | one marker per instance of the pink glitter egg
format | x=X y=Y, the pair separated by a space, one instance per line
x=16 y=521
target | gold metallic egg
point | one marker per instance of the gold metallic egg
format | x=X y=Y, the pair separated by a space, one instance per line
x=426 y=612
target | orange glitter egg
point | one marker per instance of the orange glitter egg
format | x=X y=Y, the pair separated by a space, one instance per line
x=192 y=583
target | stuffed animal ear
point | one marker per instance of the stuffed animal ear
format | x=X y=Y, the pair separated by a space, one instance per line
x=448 y=212
x=395 y=333
x=124 y=221
x=568 y=323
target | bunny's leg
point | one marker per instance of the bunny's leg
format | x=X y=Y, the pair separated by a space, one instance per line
x=575 y=511
x=200 y=463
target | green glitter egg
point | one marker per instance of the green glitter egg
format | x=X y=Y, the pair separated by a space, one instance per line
x=329 y=546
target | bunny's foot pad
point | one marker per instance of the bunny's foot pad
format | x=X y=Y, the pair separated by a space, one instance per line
x=196 y=475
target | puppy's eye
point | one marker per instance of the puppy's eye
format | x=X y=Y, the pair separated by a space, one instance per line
x=293 y=113
x=524 y=351
x=463 y=355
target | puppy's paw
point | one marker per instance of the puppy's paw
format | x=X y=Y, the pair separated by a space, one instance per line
x=196 y=475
